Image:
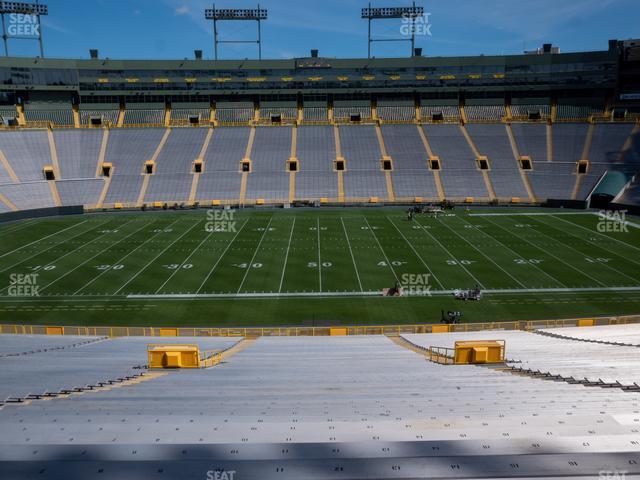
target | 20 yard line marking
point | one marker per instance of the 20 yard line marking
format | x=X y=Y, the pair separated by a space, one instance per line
x=220 y=257
x=482 y=253
x=246 y=273
x=319 y=258
x=157 y=256
x=97 y=254
x=351 y=252
x=122 y=258
x=286 y=257
x=43 y=238
x=417 y=254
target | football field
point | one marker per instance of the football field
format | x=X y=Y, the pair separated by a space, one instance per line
x=210 y=260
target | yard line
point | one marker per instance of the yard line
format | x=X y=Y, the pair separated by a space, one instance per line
x=185 y=260
x=43 y=238
x=74 y=250
x=516 y=253
x=220 y=258
x=417 y=254
x=548 y=253
x=380 y=246
x=449 y=253
x=156 y=257
x=51 y=247
x=286 y=257
x=122 y=258
x=603 y=264
x=601 y=234
x=97 y=254
x=19 y=226
x=492 y=261
x=351 y=252
x=246 y=273
x=319 y=258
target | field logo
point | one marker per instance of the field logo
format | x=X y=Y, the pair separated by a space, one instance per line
x=23 y=25
x=612 y=221
x=420 y=25
x=416 y=284
x=220 y=221
x=221 y=475
x=23 y=285
x=612 y=474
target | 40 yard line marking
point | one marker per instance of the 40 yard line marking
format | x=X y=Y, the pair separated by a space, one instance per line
x=122 y=258
x=381 y=249
x=286 y=257
x=353 y=259
x=417 y=254
x=43 y=238
x=157 y=256
x=246 y=273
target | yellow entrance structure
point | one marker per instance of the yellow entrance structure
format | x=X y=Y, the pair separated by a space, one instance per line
x=181 y=356
x=469 y=352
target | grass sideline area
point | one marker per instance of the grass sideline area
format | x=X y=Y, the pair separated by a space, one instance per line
x=309 y=267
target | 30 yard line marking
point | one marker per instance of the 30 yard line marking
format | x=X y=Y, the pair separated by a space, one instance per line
x=319 y=258
x=602 y=235
x=221 y=256
x=286 y=257
x=546 y=252
x=449 y=253
x=157 y=256
x=416 y=253
x=122 y=258
x=185 y=260
x=351 y=252
x=97 y=254
x=595 y=244
x=246 y=273
x=43 y=238
x=381 y=249
x=50 y=248
x=518 y=255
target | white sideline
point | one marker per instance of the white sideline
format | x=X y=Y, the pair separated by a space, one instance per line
x=373 y=293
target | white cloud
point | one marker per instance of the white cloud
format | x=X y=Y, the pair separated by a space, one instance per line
x=182 y=10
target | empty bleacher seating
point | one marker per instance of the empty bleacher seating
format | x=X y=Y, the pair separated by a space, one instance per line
x=268 y=178
x=316 y=152
x=485 y=113
x=221 y=178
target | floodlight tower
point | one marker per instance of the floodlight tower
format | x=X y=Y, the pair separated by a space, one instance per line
x=217 y=15
x=385 y=13
x=22 y=8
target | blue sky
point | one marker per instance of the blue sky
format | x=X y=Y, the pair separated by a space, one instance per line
x=160 y=29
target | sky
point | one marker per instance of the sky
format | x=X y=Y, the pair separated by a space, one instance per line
x=173 y=29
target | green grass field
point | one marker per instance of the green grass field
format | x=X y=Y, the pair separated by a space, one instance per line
x=314 y=267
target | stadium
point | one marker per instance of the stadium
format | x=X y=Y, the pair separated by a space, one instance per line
x=318 y=267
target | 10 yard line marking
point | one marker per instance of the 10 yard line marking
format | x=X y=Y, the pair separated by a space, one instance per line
x=319 y=259
x=97 y=254
x=220 y=258
x=417 y=254
x=246 y=273
x=156 y=257
x=380 y=247
x=43 y=238
x=353 y=259
x=122 y=258
x=286 y=257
